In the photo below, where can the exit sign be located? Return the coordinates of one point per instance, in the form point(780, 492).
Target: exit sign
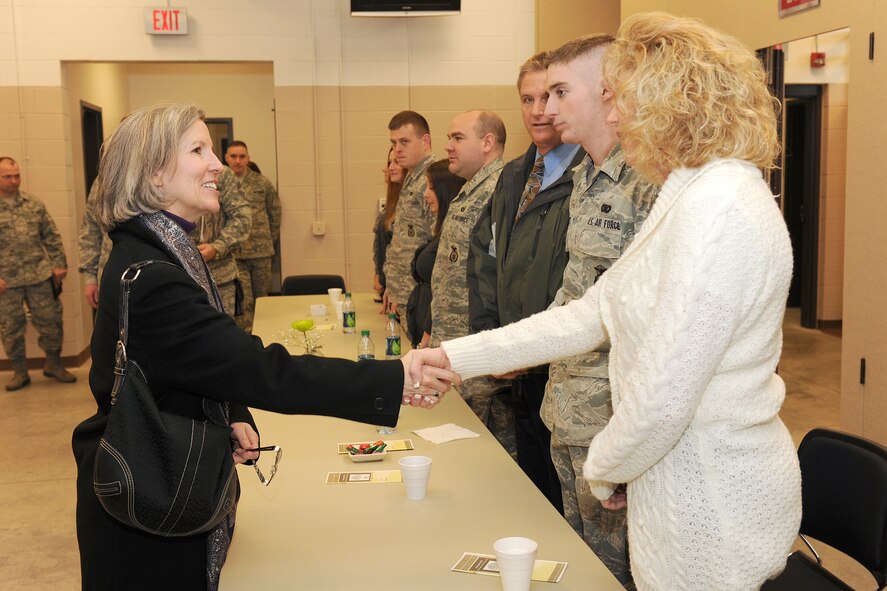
point(166, 21)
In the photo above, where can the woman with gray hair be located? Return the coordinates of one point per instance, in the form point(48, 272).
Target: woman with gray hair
point(157, 176)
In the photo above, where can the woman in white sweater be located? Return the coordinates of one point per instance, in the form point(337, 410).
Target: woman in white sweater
point(693, 311)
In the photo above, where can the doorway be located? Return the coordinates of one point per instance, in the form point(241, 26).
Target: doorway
point(93, 135)
point(803, 124)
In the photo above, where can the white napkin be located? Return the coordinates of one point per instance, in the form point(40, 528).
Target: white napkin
point(444, 433)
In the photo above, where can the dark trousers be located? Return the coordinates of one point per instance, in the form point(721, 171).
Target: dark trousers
point(533, 437)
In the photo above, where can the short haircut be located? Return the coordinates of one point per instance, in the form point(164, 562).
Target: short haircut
point(489, 122)
point(145, 143)
point(419, 123)
point(236, 144)
point(689, 94)
point(579, 47)
point(446, 186)
point(10, 158)
point(537, 63)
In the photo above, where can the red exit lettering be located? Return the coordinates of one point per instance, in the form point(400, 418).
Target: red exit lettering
point(166, 20)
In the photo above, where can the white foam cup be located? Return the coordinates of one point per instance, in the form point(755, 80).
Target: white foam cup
point(335, 294)
point(516, 557)
point(415, 471)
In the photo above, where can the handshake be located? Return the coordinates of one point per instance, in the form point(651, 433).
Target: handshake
point(427, 377)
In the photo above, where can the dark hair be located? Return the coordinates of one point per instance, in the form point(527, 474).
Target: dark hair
point(419, 123)
point(238, 143)
point(446, 186)
point(392, 193)
point(253, 166)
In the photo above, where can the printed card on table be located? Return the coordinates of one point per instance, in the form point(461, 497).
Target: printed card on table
point(545, 571)
point(372, 477)
point(393, 445)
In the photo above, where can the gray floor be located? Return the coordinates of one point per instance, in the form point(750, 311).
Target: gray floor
point(38, 549)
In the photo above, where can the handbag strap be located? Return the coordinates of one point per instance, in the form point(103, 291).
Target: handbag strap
point(126, 280)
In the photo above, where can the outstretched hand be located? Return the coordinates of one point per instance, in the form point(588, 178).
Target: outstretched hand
point(427, 377)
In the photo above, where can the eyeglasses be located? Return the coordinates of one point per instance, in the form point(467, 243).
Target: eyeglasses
point(278, 453)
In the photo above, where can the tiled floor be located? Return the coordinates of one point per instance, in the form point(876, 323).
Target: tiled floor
point(38, 549)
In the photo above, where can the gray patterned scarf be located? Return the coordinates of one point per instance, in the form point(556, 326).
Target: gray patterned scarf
point(183, 249)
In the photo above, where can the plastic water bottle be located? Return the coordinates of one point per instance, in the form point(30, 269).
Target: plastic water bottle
point(392, 338)
point(365, 349)
point(349, 317)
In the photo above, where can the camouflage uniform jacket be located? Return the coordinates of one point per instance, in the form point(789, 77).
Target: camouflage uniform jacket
point(262, 198)
point(30, 242)
point(93, 244)
point(412, 229)
point(607, 207)
point(449, 280)
point(224, 230)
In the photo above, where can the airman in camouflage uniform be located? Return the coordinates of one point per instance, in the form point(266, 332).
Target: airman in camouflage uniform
point(608, 204)
point(253, 255)
point(411, 145)
point(607, 207)
point(486, 396)
point(93, 248)
point(216, 235)
point(32, 268)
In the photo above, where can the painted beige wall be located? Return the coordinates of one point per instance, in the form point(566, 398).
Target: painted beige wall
point(34, 130)
point(558, 21)
point(865, 276)
point(351, 126)
point(243, 91)
point(832, 187)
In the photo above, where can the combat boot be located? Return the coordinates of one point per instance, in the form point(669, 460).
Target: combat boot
point(20, 377)
point(54, 369)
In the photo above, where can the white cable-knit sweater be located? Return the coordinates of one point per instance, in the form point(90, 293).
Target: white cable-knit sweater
point(693, 310)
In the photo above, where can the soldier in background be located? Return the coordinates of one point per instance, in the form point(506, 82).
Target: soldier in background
point(217, 234)
point(609, 203)
point(476, 140)
point(254, 255)
point(517, 259)
point(93, 247)
point(411, 143)
point(32, 268)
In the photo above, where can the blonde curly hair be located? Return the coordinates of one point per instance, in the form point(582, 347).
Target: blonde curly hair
point(688, 94)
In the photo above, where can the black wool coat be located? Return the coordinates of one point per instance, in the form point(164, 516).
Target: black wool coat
point(188, 350)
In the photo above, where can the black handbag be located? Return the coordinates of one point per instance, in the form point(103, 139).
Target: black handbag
point(156, 471)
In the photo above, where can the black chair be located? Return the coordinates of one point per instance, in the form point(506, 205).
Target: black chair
point(310, 284)
point(844, 499)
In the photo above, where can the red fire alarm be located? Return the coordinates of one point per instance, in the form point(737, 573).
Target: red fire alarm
point(817, 59)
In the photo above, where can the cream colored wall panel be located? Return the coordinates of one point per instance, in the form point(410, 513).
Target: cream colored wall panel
point(9, 99)
point(835, 161)
point(42, 99)
point(835, 186)
point(369, 123)
point(375, 98)
point(47, 178)
point(10, 127)
point(558, 21)
point(44, 126)
point(835, 275)
point(49, 151)
point(452, 99)
point(296, 176)
point(836, 116)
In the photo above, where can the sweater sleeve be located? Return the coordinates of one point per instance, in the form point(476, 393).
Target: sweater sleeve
point(541, 338)
point(697, 307)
